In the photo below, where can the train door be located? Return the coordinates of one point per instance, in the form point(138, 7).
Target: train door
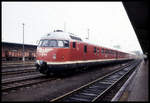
point(78, 51)
point(116, 55)
point(74, 51)
point(85, 52)
point(102, 53)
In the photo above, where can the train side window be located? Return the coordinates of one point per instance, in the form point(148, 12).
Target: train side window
point(74, 44)
point(102, 51)
point(97, 50)
point(109, 51)
point(66, 43)
point(106, 51)
point(94, 49)
point(85, 49)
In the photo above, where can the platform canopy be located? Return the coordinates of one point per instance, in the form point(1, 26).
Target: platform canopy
point(138, 14)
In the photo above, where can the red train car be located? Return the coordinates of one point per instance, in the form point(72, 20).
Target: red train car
point(59, 51)
point(14, 52)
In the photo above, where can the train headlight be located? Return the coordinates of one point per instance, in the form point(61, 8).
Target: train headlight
point(54, 56)
point(40, 62)
point(37, 61)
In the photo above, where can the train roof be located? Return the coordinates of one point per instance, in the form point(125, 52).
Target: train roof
point(61, 35)
point(96, 45)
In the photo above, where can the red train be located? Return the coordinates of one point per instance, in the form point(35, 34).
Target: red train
point(59, 51)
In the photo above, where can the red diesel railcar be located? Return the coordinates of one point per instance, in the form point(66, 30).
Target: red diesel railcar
point(59, 51)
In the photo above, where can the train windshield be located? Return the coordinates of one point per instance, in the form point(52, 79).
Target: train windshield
point(53, 43)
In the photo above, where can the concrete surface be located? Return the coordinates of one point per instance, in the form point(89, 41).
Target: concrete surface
point(138, 89)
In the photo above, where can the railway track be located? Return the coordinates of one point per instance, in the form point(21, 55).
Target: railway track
point(18, 70)
point(17, 65)
point(14, 83)
point(96, 89)
point(16, 62)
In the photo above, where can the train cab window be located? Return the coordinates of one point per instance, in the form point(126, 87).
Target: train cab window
point(53, 43)
point(40, 43)
point(60, 43)
point(74, 44)
point(66, 43)
point(85, 49)
point(48, 43)
point(45, 43)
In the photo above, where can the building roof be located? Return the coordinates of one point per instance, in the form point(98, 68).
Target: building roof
point(10, 43)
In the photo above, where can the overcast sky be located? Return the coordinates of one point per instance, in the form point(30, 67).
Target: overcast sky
point(107, 21)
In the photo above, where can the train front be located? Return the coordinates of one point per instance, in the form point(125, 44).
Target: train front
point(52, 52)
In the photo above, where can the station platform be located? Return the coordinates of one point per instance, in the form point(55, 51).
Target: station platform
point(137, 90)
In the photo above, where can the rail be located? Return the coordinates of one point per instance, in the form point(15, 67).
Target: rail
point(13, 83)
point(96, 89)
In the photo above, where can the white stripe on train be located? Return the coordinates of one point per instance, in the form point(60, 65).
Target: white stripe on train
point(85, 61)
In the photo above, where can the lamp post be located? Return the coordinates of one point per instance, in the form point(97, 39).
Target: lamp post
point(88, 34)
point(64, 26)
point(23, 44)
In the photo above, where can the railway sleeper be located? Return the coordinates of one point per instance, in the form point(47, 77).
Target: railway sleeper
point(112, 79)
point(82, 96)
point(97, 89)
point(88, 94)
point(78, 99)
